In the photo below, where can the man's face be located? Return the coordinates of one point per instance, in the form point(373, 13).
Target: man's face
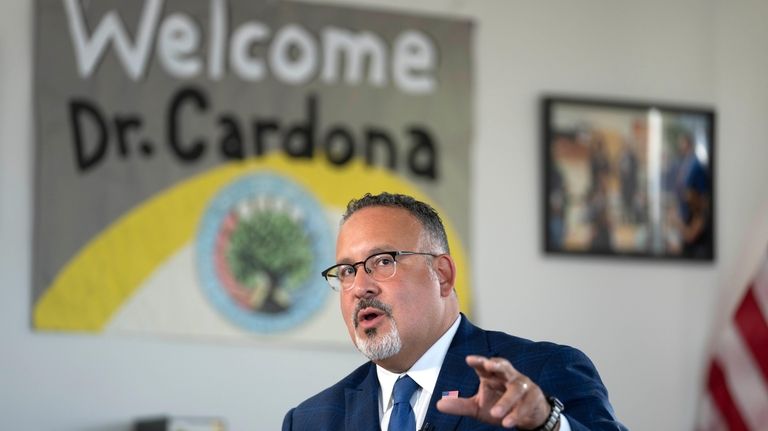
point(409, 306)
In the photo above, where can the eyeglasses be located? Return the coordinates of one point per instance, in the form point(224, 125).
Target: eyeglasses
point(381, 266)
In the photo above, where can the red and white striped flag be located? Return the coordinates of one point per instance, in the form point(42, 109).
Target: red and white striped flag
point(736, 392)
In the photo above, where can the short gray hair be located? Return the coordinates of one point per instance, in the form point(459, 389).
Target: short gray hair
point(427, 215)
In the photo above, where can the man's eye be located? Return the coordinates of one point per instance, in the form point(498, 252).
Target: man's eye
point(346, 271)
point(383, 260)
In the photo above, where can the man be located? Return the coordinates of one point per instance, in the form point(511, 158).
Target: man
point(693, 219)
point(430, 368)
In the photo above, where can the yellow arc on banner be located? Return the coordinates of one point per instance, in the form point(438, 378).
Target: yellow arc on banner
point(106, 272)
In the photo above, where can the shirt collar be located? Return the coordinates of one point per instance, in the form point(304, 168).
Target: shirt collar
point(424, 372)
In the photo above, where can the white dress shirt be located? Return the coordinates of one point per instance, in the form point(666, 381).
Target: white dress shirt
point(424, 372)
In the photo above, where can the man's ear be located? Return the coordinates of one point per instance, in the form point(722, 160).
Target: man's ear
point(445, 268)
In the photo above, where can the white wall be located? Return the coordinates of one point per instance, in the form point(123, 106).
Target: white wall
point(646, 325)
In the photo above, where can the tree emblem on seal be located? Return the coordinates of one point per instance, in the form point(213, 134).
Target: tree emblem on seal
point(270, 255)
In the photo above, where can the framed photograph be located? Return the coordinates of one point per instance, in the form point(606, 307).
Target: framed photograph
point(627, 178)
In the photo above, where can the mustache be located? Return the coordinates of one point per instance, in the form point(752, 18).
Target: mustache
point(372, 303)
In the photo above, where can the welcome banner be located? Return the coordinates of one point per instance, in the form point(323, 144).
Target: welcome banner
point(193, 157)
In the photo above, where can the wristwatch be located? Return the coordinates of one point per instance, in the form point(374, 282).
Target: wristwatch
point(554, 415)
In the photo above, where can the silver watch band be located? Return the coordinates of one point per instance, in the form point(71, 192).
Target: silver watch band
point(554, 415)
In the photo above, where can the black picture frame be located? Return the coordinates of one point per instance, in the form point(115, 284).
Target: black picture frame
point(628, 178)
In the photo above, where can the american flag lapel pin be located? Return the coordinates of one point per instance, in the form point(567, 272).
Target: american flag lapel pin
point(450, 394)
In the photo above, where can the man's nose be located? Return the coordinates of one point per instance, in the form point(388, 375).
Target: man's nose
point(364, 285)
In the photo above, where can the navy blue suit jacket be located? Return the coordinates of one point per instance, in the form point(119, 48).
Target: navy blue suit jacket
point(561, 371)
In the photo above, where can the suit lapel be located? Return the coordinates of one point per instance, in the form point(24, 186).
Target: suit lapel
point(456, 375)
point(362, 404)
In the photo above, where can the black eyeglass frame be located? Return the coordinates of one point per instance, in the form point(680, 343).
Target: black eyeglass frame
point(354, 266)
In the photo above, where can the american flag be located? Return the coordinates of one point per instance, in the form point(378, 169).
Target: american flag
point(736, 388)
point(450, 394)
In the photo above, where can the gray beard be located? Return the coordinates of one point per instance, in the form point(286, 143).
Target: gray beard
point(377, 347)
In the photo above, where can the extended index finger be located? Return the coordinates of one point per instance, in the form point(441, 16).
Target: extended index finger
point(458, 406)
point(489, 367)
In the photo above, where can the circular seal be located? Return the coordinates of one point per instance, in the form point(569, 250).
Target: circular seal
point(262, 243)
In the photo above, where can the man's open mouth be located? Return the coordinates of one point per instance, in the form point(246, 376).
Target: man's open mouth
point(369, 316)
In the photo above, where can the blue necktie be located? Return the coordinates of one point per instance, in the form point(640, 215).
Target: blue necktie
point(402, 418)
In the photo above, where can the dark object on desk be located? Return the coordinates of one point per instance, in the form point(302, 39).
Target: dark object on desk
point(164, 423)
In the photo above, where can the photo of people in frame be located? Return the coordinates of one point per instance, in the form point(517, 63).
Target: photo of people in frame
point(628, 179)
